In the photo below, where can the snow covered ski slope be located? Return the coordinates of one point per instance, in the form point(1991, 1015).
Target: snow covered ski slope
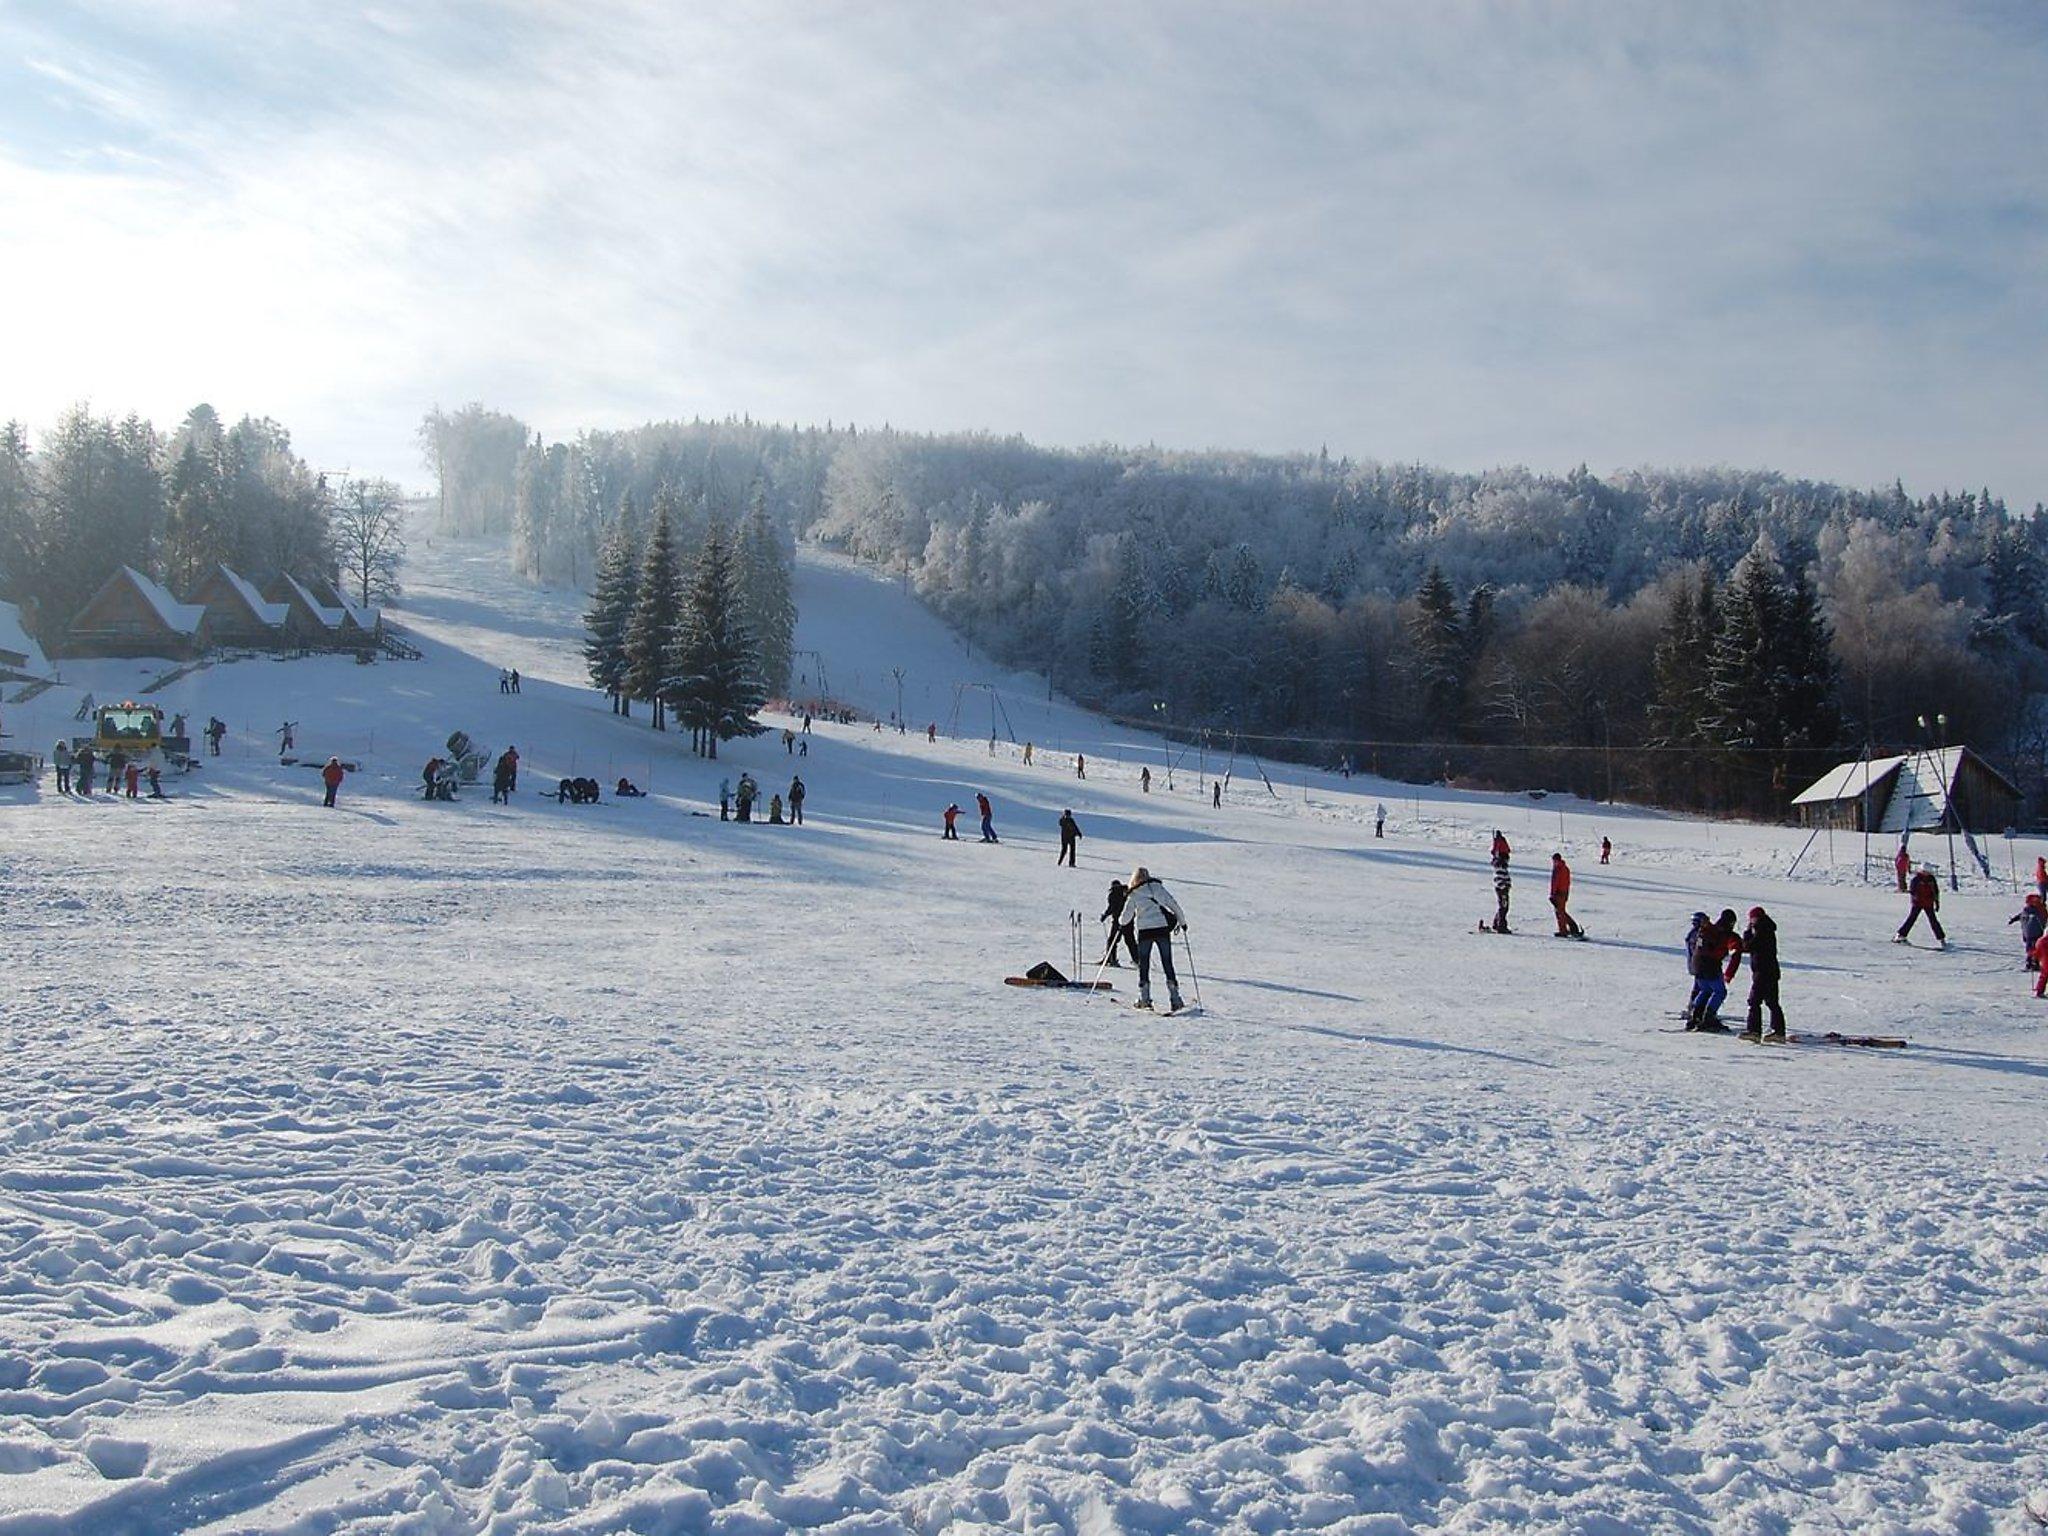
point(419, 1167)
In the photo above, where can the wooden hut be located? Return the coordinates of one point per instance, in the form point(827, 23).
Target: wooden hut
point(1946, 789)
point(238, 614)
point(308, 621)
point(131, 615)
point(21, 659)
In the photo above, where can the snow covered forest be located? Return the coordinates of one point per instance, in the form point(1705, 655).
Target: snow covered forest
point(1705, 638)
point(96, 493)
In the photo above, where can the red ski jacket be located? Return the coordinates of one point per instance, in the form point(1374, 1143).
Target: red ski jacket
point(1560, 880)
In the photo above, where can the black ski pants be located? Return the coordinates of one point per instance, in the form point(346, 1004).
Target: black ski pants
point(1068, 849)
point(63, 781)
point(1763, 993)
point(1933, 922)
point(1130, 940)
point(1160, 940)
point(329, 799)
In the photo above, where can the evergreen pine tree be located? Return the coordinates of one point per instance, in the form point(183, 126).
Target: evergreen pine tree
point(1744, 670)
point(611, 606)
point(657, 601)
point(1439, 640)
point(713, 676)
point(766, 586)
point(1809, 675)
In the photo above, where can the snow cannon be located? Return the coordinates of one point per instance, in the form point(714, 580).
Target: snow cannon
point(468, 757)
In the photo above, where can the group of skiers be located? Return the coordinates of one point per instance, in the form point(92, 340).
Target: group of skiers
point(1714, 952)
point(508, 680)
point(77, 771)
point(1500, 855)
point(737, 804)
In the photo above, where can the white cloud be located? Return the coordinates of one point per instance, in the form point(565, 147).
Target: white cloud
point(1809, 236)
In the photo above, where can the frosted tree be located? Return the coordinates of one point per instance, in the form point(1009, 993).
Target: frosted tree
point(369, 537)
point(766, 587)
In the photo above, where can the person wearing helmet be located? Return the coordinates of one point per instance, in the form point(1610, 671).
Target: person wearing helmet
point(2033, 921)
point(1924, 891)
point(1760, 939)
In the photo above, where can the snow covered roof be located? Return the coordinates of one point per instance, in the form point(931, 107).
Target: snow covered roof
point(273, 614)
point(179, 618)
point(15, 641)
point(1846, 782)
point(330, 618)
point(1927, 781)
point(365, 618)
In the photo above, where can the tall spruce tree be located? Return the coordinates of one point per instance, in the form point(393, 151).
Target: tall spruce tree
point(766, 586)
point(714, 679)
point(1772, 677)
point(657, 603)
point(1440, 654)
point(611, 607)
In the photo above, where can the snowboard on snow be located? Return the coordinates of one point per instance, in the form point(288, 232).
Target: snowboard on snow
point(1835, 1037)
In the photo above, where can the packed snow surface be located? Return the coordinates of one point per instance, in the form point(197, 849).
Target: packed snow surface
point(416, 1167)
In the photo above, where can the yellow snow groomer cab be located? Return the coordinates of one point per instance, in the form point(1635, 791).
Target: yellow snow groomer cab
point(131, 729)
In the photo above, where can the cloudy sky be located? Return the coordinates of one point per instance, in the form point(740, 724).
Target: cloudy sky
point(1810, 235)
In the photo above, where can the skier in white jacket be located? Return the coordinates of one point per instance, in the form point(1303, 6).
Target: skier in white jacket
point(1153, 914)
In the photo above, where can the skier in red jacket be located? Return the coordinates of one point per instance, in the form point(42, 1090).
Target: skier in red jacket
point(1561, 894)
point(331, 776)
point(1925, 891)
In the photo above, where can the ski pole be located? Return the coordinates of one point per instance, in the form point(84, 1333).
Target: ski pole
point(1194, 976)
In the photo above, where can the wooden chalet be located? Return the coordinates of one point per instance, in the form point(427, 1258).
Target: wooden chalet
point(1947, 789)
point(237, 613)
point(132, 615)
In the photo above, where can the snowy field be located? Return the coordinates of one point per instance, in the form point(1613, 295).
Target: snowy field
point(454, 1168)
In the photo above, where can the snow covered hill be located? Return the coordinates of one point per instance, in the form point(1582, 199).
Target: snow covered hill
point(417, 1167)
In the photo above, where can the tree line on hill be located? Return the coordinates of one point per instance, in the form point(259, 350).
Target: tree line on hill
point(96, 493)
point(1703, 638)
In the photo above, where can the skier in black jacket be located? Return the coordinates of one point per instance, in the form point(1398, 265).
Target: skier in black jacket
point(1113, 914)
point(1760, 943)
point(1070, 839)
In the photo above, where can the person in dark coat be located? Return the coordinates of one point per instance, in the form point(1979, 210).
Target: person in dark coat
point(796, 801)
point(1113, 914)
point(1070, 840)
point(1924, 890)
point(84, 763)
point(1760, 942)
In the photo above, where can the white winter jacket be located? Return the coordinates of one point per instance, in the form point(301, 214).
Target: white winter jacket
point(1150, 907)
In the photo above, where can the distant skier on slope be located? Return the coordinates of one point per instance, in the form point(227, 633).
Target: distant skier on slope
point(331, 777)
point(1902, 865)
point(988, 818)
point(1070, 840)
point(1379, 821)
point(1924, 890)
point(1153, 914)
point(952, 815)
point(1606, 850)
point(1760, 940)
point(1560, 898)
point(60, 759)
point(796, 801)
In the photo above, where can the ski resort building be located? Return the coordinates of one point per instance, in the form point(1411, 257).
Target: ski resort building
point(309, 622)
point(360, 625)
point(21, 659)
point(237, 614)
point(132, 616)
point(1949, 789)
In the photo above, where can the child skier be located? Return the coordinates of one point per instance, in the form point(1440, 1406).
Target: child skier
point(1113, 914)
point(2033, 921)
point(952, 814)
point(1503, 884)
